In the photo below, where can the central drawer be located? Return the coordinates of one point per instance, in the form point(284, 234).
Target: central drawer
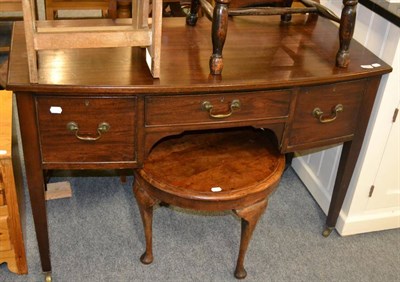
point(86, 130)
point(214, 108)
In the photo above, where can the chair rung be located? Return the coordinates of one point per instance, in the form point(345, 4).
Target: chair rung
point(270, 11)
point(99, 39)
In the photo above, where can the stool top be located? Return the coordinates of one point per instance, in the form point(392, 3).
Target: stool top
point(215, 166)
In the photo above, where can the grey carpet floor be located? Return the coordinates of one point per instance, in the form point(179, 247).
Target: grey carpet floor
point(97, 235)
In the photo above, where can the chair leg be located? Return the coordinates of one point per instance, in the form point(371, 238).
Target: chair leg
point(122, 178)
point(287, 17)
point(191, 18)
point(249, 217)
point(218, 35)
point(145, 203)
point(346, 30)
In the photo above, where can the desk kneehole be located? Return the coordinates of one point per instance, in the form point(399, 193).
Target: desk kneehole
point(233, 169)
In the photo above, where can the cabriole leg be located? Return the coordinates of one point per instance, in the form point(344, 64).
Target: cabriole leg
point(145, 203)
point(249, 217)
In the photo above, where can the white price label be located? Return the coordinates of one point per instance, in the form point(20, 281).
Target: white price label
point(55, 110)
point(216, 189)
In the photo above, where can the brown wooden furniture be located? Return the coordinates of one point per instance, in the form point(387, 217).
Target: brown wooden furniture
point(94, 33)
point(281, 77)
point(12, 250)
point(3, 74)
point(123, 8)
point(212, 171)
point(10, 5)
point(109, 8)
point(53, 6)
point(220, 12)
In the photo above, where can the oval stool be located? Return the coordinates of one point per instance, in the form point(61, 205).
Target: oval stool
point(229, 170)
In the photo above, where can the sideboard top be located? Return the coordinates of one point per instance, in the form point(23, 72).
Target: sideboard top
point(260, 53)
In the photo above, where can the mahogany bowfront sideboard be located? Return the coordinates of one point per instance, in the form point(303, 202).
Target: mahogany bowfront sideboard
point(101, 108)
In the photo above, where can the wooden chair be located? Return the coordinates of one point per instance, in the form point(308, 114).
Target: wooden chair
point(118, 9)
point(223, 8)
point(12, 248)
point(53, 6)
point(211, 171)
point(7, 6)
point(95, 33)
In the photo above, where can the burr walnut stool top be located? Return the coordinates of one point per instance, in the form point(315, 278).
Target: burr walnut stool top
point(220, 170)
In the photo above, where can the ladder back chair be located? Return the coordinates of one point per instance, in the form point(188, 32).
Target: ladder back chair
point(138, 31)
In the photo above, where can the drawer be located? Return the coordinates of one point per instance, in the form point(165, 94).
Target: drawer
point(212, 108)
point(326, 113)
point(80, 130)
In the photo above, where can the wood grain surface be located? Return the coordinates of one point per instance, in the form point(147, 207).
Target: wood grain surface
point(260, 53)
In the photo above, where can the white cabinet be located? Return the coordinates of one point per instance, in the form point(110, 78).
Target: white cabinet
point(383, 191)
point(379, 161)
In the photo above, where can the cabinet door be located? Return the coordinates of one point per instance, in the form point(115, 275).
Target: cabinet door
point(386, 193)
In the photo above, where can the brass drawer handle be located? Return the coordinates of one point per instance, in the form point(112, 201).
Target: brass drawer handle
point(317, 113)
point(101, 128)
point(207, 106)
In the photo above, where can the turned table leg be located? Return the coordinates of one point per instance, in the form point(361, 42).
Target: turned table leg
point(145, 203)
point(249, 217)
point(346, 30)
